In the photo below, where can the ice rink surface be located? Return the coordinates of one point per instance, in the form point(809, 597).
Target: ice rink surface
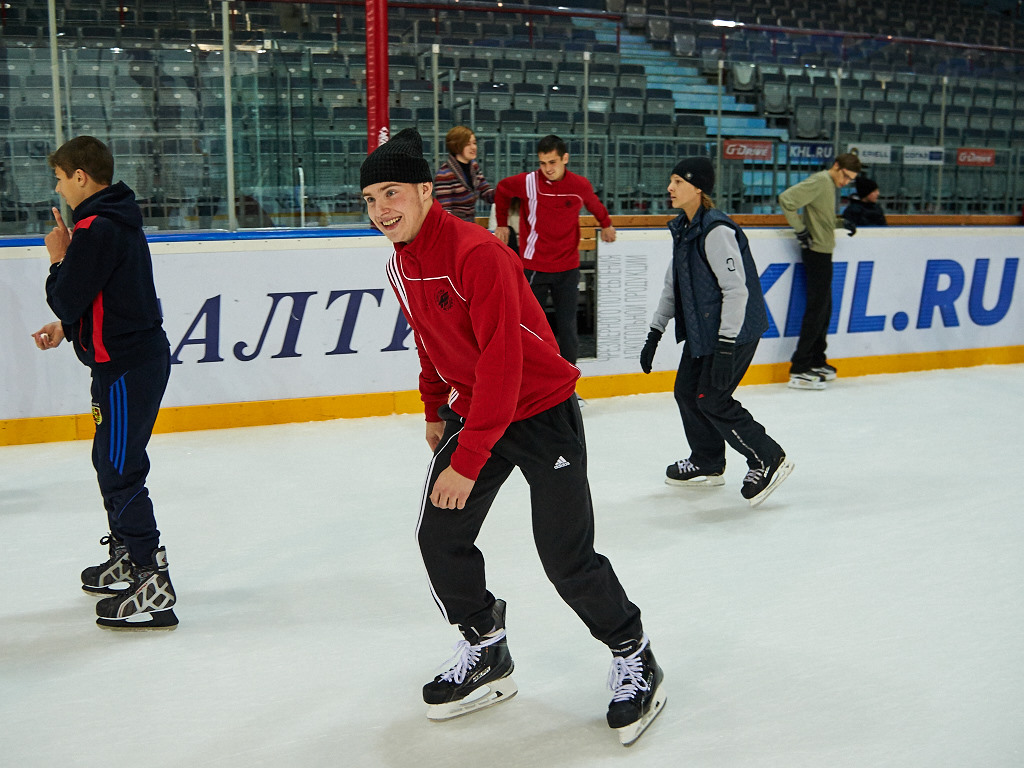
point(869, 613)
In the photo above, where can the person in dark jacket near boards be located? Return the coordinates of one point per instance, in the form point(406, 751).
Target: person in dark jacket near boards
point(713, 293)
point(863, 209)
point(100, 286)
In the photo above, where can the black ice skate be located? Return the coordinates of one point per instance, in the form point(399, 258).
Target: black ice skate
point(479, 676)
point(108, 578)
point(688, 474)
point(761, 481)
point(635, 679)
point(146, 603)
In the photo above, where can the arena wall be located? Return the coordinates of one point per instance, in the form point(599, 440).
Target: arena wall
point(275, 327)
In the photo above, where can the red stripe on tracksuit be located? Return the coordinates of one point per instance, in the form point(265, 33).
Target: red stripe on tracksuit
point(99, 349)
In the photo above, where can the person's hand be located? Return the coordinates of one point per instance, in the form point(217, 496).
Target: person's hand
point(608, 234)
point(502, 234)
point(647, 353)
point(435, 429)
point(850, 227)
point(451, 490)
point(805, 239)
point(58, 240)
point(721, 364)
point(49, 336)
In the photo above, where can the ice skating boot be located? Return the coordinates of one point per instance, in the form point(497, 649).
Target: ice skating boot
point(101, 579)
point(479, 674)
point(685, 473)
point(146, 603)
point(761, 481)
point(638, 697)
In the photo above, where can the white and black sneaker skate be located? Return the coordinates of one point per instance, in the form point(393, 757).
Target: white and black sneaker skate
point(761, 481)
point(825, 372)
point(688, 474)
point(479, 674)
point(806, 380)
point(635, 679)
point(108, 578)
point(146, 603)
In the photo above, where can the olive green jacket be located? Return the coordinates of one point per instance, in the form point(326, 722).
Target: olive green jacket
point(817, 196)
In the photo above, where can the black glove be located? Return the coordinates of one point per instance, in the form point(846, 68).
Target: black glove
point(850, 227)
point(805, 239)
point(647, 353)
point(721, 364)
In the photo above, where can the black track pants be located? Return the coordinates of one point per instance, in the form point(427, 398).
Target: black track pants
point(125, 406)
point(713, 417)
point(810, 347)
point(550, 450)
point(564, 288)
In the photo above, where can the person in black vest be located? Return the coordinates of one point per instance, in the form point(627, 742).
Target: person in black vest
point(713, 292)
point(863, 209)
point(100, 287)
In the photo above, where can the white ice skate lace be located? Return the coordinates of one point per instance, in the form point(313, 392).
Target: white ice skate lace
point(754, 475)
point(626, 676)
point(465, 658)
point(686, 465)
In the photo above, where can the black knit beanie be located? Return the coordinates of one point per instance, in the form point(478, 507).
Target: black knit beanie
point(400, 160)
point(865, 186)
point(698, 171)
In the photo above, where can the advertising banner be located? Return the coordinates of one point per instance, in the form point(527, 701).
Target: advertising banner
point(975, 156)
point(923, 155)
point(257, 320)
point(812, 152)
point(748, 150)
point(872, 154)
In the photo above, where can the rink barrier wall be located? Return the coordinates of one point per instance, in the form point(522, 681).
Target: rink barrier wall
point(253, 414)
point(257, 258)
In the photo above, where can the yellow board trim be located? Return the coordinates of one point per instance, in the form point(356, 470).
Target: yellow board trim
point(188, 418)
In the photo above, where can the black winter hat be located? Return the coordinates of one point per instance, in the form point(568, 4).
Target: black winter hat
point(400, 160)
point(865, 186)
point(698, 171)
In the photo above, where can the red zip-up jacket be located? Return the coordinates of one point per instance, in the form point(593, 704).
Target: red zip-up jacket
point(484, 343)
point(549, 217)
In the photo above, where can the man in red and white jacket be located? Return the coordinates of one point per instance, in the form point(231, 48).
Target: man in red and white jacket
point(497, 396)
point(549, 232)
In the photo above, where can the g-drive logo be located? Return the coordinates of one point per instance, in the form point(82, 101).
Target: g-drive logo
point(942, 287)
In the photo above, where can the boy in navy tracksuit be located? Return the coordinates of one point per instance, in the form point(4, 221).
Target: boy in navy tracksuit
point(101, 288)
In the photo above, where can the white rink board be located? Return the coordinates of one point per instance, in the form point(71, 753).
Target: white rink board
point(337, 328)
point(919, 280)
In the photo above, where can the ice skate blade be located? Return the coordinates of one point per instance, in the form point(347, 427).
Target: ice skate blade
point(628, 734)
point(780, 474)
point(141, 621)
point(706, 481)
point(488, 695)
point(105, 591)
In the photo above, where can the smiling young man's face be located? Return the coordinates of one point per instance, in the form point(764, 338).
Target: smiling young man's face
point(397, 209)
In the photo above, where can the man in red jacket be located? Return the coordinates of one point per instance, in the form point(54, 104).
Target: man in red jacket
point(549, 232)
point(497, 396)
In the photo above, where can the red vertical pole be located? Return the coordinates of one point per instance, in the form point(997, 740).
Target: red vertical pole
point(377, 124)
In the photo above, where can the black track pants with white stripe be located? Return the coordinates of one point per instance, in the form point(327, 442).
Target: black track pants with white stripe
point(550, 450)
point(125, 406)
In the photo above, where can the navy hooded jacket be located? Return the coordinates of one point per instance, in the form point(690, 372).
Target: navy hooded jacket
point(103, 291)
